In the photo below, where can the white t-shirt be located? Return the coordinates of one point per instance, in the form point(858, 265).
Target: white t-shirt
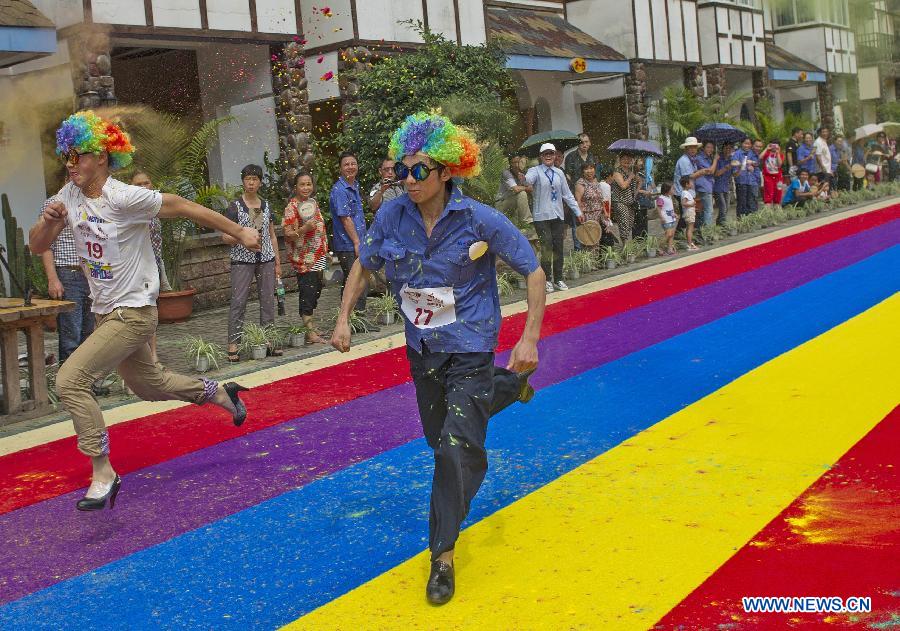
point(666, 208)
point(606, 190)
point(820, 147)
point(687, 198)
point(112, 237)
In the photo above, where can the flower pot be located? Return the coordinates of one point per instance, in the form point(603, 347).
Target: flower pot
point(297, 340)
point(573, 274)
point(732, 232)
point(522, 283)
point(387, 319)
point(176, 306)
point(630, 259)
point(258, 352)
point(202, 364)
point(651, 254)
point(610, 265)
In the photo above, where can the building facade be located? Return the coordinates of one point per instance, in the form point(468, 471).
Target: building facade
point(876, 24)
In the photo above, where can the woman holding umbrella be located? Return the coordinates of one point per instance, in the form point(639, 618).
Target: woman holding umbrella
point(627, 183)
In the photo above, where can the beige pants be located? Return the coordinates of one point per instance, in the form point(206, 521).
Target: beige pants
point(516, 207)
point(121, 342)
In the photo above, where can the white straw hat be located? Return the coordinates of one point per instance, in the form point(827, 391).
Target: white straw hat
point(691, 142)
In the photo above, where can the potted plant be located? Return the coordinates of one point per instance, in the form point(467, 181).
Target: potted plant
point(718, 232)
point(385, 309)
point(630, 250)
point(610, 256)
point(504, 284)
point(651, 246)
point(256, 340)
point(276, 337)
point(521, 282)
point(571, 268)
point(731, 227)
point(202, 354)
point(297, 335)
point(357, 323)
point(707, 234)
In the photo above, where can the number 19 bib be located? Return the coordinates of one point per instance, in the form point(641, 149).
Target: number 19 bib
point(428, 307)
point(98, 247)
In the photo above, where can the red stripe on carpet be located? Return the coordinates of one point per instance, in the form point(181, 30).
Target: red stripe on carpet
point(841, 537)
point(38, 473)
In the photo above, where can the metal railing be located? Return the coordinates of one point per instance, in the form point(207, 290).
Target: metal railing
point(877, 47)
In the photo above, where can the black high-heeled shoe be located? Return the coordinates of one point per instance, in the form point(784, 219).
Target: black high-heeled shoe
point(240, 411)
point(98, 503)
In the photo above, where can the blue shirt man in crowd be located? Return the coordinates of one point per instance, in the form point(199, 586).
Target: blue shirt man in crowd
point(439, 250)
point(746, 184)
point(722, 184)
point(349, 220)
point(706, 162)
point(806, 156)
point(686, 165)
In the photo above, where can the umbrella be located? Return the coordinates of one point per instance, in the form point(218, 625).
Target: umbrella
point(889, 127)
point(562, 139)
point(636, 147)
point(867, 130)
point(719, 133)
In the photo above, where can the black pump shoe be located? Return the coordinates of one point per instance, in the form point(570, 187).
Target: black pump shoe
point(441, 584)
point(99, 503)
point(240, 412)
point(526, 392)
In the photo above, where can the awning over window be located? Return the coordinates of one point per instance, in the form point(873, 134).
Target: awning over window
point(540, 40)
point(25, 33)
point(785, 66)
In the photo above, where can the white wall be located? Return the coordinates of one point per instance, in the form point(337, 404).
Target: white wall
point(228, 15)
point(380, 19)
point(118, 12)
point(61, 12)
point(808, 44)
point(177, 13)
point(617, 33)
point(442, 18)
point(247, 95)
point(471, 22)
point(23, 98)
point(709, 39)
point(561, 97)
point(320, 89)
point(320, 30)
point(276, 16)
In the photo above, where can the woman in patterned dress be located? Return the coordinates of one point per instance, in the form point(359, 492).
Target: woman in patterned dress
point(625, 185)
point(592, 196)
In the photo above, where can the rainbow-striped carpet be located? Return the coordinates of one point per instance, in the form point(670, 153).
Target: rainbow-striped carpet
point(716, 427)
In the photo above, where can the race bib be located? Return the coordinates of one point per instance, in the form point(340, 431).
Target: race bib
point(98, 246)
point(429, 307)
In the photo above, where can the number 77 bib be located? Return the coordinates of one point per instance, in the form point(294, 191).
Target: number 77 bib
point(428, 307)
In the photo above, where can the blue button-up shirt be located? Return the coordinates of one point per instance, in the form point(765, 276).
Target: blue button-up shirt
point(722, 182)
point(397, 241)
point(346, 202)
point(704, 183)
point(743, 175)
point(835, 158)
point(806, 158)
point(549, 190)
point(685, 166)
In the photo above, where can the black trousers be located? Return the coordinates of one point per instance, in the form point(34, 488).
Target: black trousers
point(309, 286)
point(552, 233)
point(457, 393)
point(346, 259)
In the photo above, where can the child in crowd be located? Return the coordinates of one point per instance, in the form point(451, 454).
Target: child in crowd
point(250, 210)
point(799, 190)
point(821, 190)
point(307, 246)
point(688, 209)
point(667, 216)
point(773, 183)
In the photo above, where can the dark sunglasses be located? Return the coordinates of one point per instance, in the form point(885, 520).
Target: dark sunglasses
point(72, 156)
point(420, 171)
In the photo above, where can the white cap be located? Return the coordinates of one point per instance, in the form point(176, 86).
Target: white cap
point(547, 146)
point(691, 142)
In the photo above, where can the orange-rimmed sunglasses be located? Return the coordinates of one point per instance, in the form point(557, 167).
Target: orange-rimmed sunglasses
point(72, 156)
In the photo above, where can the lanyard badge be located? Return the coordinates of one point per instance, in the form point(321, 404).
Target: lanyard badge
point(551, 177)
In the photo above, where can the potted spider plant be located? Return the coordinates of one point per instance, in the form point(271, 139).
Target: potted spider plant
point(504, 284)
point(358, 324)
point(610, 256)
point(731, 227)
point(296, 334)
point(651, 246)
point(202, 354)
point(385, 308)
point(256, 340)
point(630, 250)
point(521, 282)
point(571, 269)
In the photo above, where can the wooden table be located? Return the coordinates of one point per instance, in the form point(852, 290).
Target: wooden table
point(15, 317)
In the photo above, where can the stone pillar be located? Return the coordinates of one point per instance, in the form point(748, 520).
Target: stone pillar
point(693, 80)
point(91, 67)
point(760, 86)
point(716, 86)
point(826, 102)
point(292, 117)
point(351, 62)
point(637, 107)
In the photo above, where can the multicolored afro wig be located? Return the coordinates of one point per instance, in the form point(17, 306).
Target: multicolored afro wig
point(442, 141)
point(85, 132)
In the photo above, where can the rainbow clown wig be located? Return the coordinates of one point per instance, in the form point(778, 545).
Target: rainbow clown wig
point(439, 139)
point(85, 132)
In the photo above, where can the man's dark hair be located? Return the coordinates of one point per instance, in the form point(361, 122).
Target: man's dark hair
point(774, 141)
point(251, 170)
point(795, 130)
point(802, 171)
point(685, 180)
point(819, 131)
point(346, 154)
point(583, 135)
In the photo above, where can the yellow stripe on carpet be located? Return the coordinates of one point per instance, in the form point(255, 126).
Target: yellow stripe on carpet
point(617, 542)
